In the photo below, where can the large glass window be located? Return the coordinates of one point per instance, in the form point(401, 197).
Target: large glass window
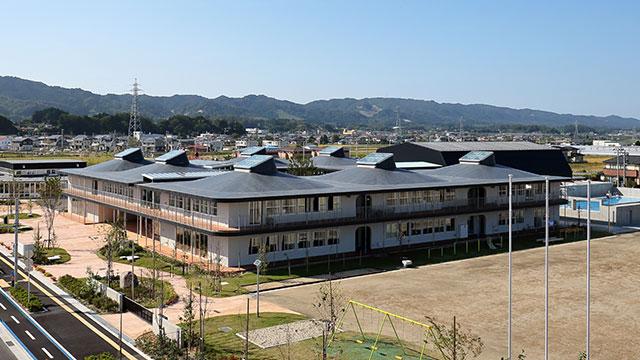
point(272, 207)
point(303, 240)
point(255, 212)
point(416, 197)
point(392, 199)
point(254, 245)
point(450, 194)
point(450, 224)
point(335, 201)
point(502, 190)
point(403, 198)
point(318, 238)
point(302, 206)
point(289, 206)
point(404, 229)
point(272, 243)
point(428, 226)
point(538, 218)
point(391, 231)
point(288, 241)
point(416, 228)
point(439, 225)
point(518, 216)
point(333, 237)
point(322, 203)
point(503, 218)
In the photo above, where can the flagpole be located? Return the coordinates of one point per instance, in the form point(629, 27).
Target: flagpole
point(588, 265)
point(546, 269)
point(510, 249)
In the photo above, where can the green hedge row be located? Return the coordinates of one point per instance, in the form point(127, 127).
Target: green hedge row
point(20, 294)
point(80, 289)
point(103, 356)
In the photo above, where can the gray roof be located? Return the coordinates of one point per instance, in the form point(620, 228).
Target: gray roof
point(134, 175)
point(333, 163)
point(471, 172)
point(484, 146)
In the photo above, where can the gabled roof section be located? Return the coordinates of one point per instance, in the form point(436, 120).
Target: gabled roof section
point(335, 151)
point(478, 158)
point(259, 164)
point(254, 150)
point(174, 157)
point(132, 154)
point(378, 160)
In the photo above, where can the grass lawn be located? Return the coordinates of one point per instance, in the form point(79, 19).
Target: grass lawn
point(227, 343)
point(593, 164)
point(64, 255)
point(22, 216)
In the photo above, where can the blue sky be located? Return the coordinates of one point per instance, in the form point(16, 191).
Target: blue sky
point(577, 57)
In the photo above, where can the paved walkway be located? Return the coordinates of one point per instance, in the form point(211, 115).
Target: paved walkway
point(79, 241)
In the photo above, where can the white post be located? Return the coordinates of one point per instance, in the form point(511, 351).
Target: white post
point(546, 269)
point(257, 263)
point(588, 264)
point(510, 249)
point(15, 243)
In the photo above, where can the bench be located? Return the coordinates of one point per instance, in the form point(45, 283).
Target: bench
point(54, 258)
point(407, 263)
point(551, 239)
point(130, 258)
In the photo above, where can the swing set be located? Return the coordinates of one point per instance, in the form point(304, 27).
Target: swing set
point(387, 317)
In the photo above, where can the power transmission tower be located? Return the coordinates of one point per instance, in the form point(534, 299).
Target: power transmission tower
point(576, 135)
point(398, 124)
point(134, 121)
point(461, 128)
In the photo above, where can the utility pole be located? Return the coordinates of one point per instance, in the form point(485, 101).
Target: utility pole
point(546, 270)
point(246, 335)
point(588, 266)
point(14, 278)
point(510, 249)
point(454, 337)
point(617, 166)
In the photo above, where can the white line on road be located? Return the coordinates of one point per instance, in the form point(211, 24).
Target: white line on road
point(14, 319)
point(48, 354)
point(2, 306)
point(28, 333)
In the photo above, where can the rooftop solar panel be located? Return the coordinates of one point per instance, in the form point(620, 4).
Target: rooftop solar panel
point(375, 158)
point(330, 150)
point(476, 156)
point(254, 150)
point(253, 161)
point(126, 153)
point(170, 155)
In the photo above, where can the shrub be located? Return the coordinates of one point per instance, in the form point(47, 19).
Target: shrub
point(104, 303)
point(103, 356)
point(32, 303)
point(47, 274)
point(79, 289)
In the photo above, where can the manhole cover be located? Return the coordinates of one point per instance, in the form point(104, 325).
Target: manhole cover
point(226, 328)
point(10, 343)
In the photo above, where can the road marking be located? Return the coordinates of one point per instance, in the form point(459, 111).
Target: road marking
point(48, 354)
point(4, 284)
point(2, 306)
point(14, 319)
point(73, 313)
point(28, 333)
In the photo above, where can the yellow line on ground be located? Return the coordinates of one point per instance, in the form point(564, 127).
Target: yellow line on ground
point(4, 284)
point(70, 311)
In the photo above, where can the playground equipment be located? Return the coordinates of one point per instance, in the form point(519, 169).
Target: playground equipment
point(387, 317)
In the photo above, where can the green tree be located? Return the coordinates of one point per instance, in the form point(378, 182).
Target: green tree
point(453, 342)
point(335, 138)
point(302, 166)
point(113, 239)
point(324, 139)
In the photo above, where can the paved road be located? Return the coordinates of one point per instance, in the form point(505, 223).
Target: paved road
point(75, 332)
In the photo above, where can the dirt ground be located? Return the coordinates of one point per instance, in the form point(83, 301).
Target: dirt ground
point(475, 291)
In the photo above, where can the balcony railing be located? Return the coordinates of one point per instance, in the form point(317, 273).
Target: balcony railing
point(177, 215)
point(283, 222)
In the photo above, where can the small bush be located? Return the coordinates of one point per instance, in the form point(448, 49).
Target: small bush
point(79, 289)
point(32, 303)
point(103, 356)
point(47, 274)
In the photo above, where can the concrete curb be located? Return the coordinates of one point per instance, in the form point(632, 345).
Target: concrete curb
point(18, 349)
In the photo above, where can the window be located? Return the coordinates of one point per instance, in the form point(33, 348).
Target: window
point(301, 206)
point(538, 217)
point(539, 188)
point(196, 205)
point(255, 212)
point(333, 238)
point(289, 206)
point(213, 208)
point(428, 226)
point(322, 203)
point(416, 228)
point(416, 197)
point(179, 201)
point(254, 245)
point(450, 224)
point(439, 225)
point(431, 196)
point(392, 199)
point(503, 218)
point(272, 207)
point(303, 240)
point(403, 198)
point(336, 203)
point(272, 243)
point(518, 216)
point(404, 229)
point(318, 238)
point(517, 189)
point(391, 231)
point(450, 194)
point(288, 241)
point(502, 190)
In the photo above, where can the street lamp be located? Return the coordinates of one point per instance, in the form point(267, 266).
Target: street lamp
point(257, 263)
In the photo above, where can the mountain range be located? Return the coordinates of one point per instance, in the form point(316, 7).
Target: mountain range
point(19, 98)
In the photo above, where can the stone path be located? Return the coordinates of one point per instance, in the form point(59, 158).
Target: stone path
point(284, 334)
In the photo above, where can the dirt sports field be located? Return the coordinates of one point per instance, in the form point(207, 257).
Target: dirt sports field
point(475, 291)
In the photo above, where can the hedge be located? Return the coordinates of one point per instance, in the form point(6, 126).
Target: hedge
point(20, 294)
point(79, 289)
point(103, 356)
